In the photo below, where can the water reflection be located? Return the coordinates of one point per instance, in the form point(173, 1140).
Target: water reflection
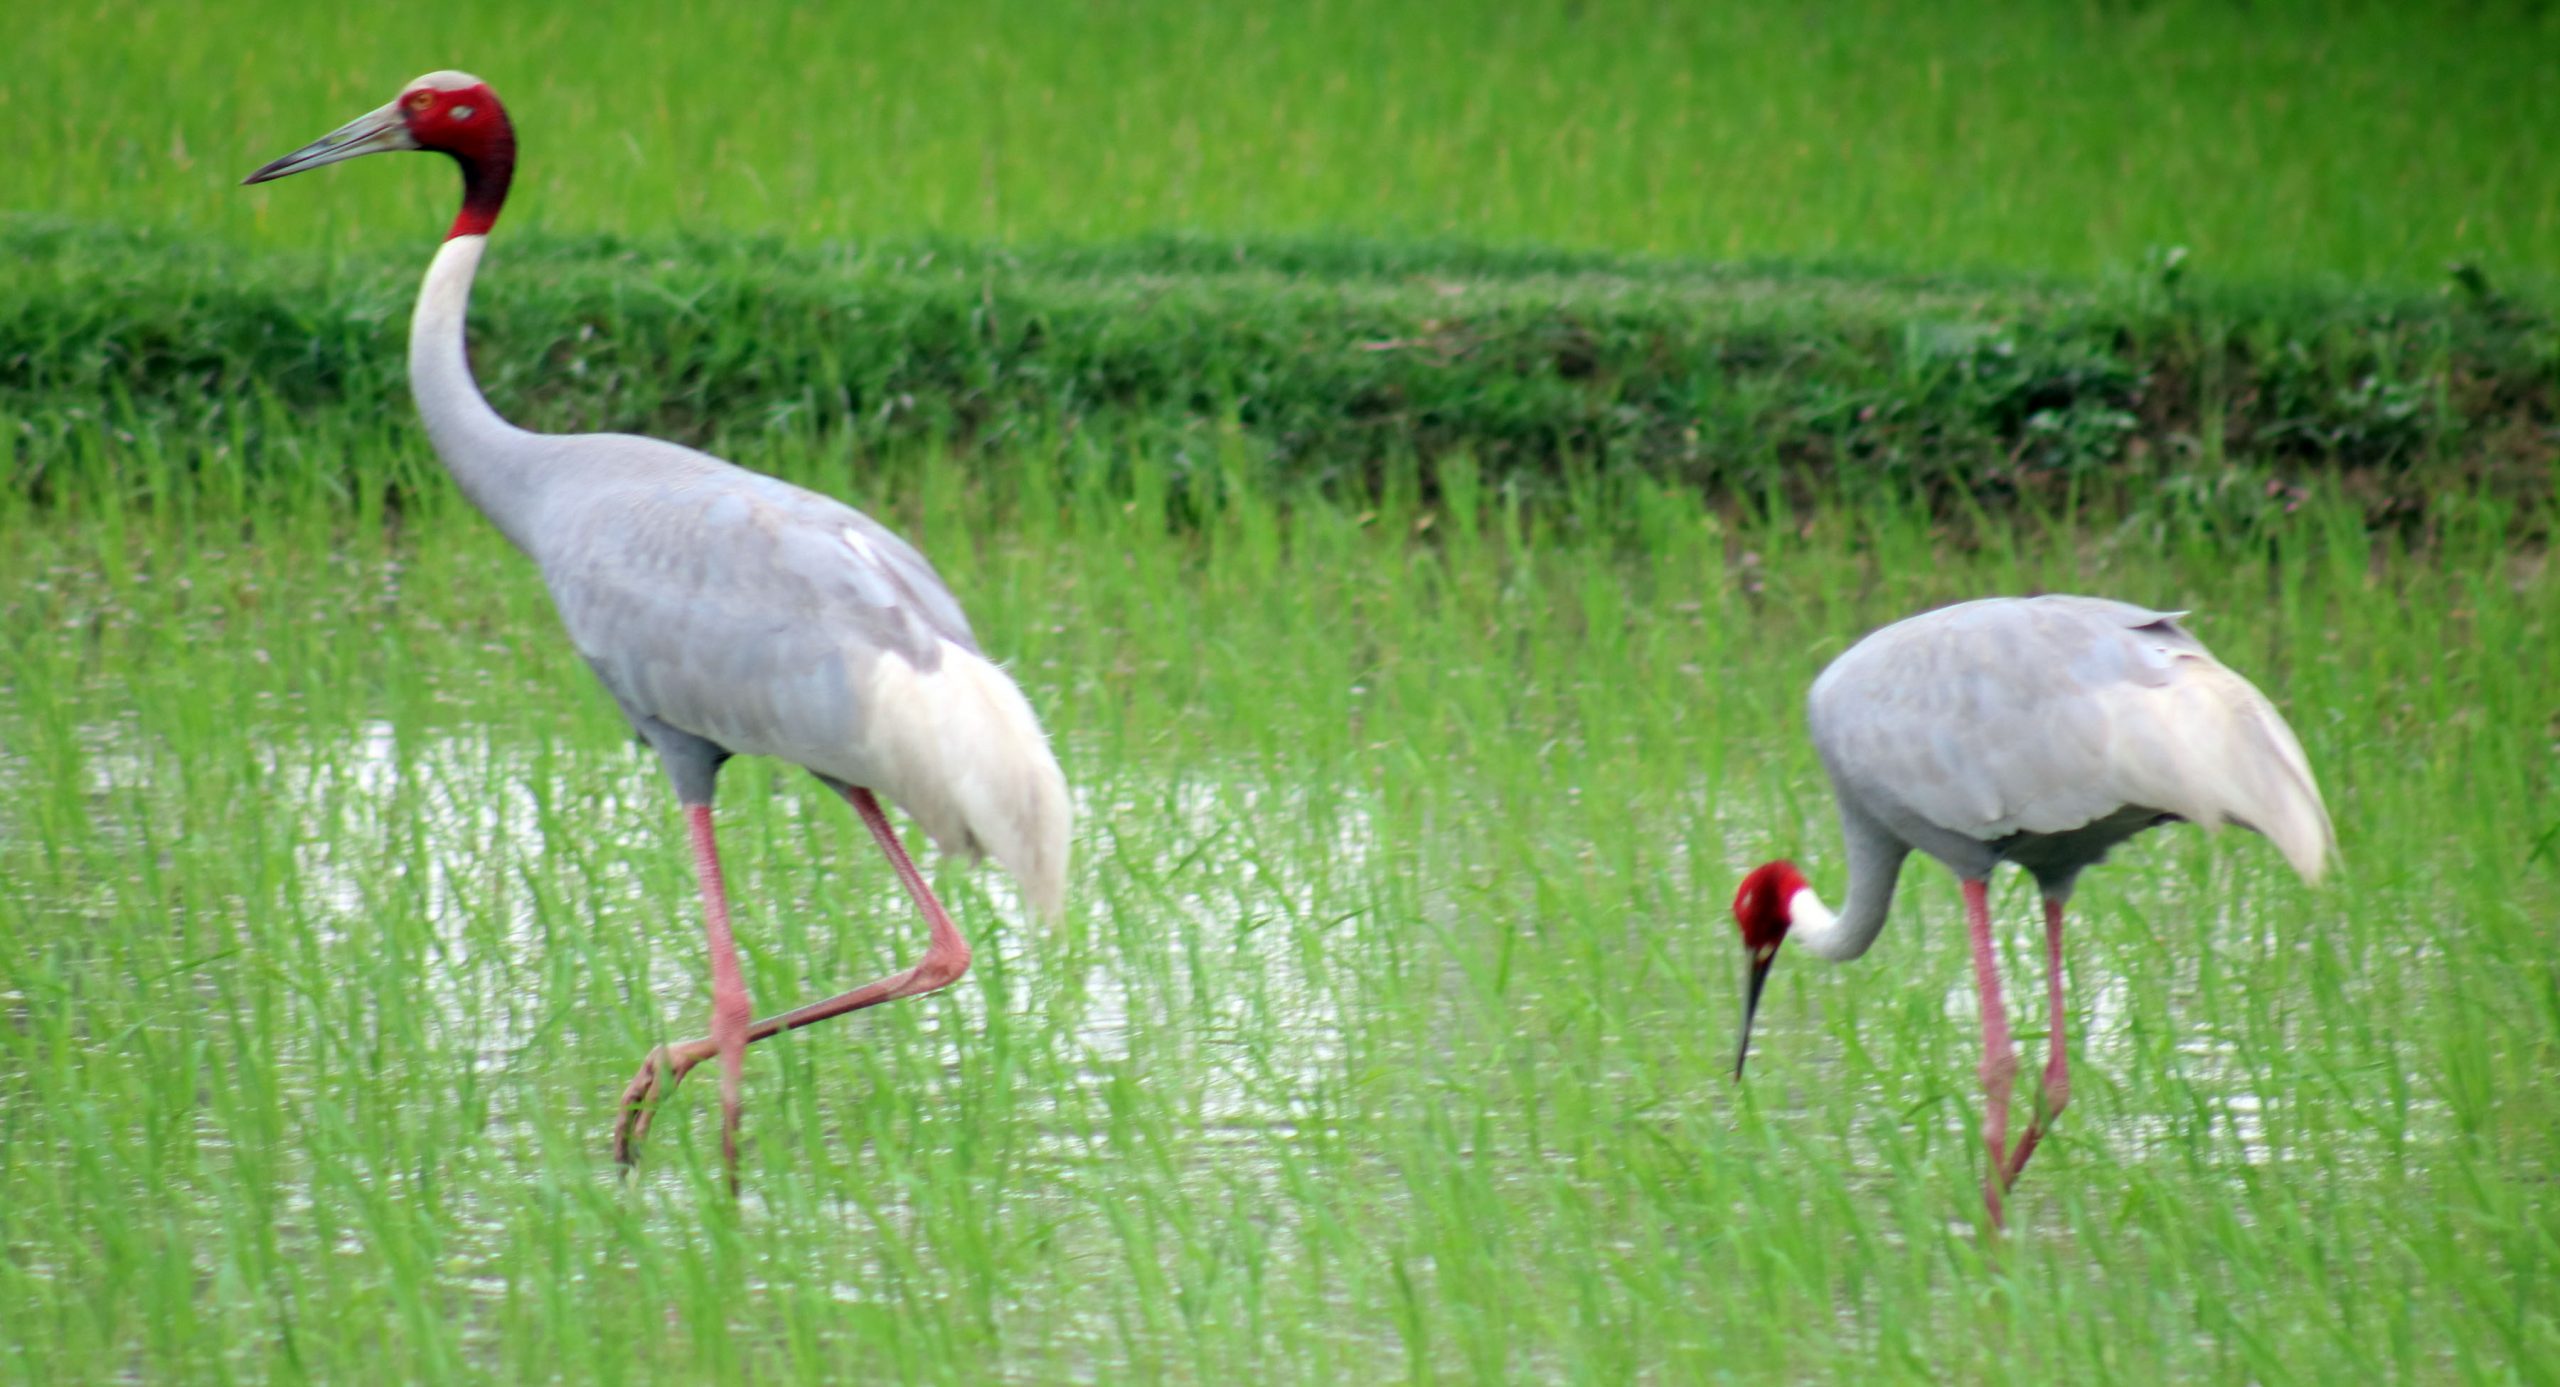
point(1207, 1013)
point(498, 845)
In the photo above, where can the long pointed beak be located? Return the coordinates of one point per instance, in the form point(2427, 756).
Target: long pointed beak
point(371, 133)
point(1751, 1008)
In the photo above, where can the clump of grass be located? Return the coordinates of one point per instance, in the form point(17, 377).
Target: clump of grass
point(131, 363)
point(1386, 1037)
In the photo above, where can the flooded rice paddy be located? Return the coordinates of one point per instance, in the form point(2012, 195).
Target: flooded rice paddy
point(1388, 1034)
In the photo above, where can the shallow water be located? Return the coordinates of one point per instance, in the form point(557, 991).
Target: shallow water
point(1385, 1027)
point(1253, 1036)
point(437, 826)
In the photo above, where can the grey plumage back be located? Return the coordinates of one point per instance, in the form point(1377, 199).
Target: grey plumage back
point(769, 620)
point(1963, 727)
point(728, 612)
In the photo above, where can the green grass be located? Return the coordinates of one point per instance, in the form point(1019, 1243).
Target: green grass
point(141, 365)
point(2371, 143)
point(1387, 1036)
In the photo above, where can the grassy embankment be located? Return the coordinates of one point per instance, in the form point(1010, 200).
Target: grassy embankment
point(140, 369)
point(1950, 241)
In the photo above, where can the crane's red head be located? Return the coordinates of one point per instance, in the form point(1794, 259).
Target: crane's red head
point(449, 112)
point(1763, 908)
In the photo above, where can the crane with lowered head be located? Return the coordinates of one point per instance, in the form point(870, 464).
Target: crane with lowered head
point(2042, 731)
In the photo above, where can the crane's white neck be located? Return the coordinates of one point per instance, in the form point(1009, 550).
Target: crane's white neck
point(1875, 864)
point(1813, 927)
point(491, 458)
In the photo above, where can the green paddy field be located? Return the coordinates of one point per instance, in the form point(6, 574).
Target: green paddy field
point(1414, 464)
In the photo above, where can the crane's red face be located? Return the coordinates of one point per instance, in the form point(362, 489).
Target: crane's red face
point(1760, 907)
point(449, 112)
point(1763, 908)
point(456, 113)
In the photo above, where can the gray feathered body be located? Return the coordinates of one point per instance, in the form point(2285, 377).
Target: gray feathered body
point(728, 612)
point(2044, 731)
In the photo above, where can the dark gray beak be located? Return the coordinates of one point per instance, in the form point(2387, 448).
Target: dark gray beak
point(374, 132)
point(1751, 1007)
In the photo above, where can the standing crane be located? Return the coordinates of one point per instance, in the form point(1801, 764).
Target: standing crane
point(728, 613)
point(2041, 731)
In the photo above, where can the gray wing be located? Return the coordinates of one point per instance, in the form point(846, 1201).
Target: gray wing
point(732, 605)
point(2043, 715)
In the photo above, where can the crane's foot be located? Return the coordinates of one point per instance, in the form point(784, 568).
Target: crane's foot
point(659, 1074)
point(2018, 1158)
point(2051, 1099)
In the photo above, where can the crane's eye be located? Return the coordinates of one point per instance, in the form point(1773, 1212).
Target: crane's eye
point(420, 101)
point(460, 113)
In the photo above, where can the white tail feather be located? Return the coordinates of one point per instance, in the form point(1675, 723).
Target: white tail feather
point(2210, 748)
point(959, 749)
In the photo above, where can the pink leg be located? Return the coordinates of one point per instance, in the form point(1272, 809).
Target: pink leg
point(730, 1012)
point(946, 954)
point(1999, 1057)
point(2057, 1066)
point(946, 957)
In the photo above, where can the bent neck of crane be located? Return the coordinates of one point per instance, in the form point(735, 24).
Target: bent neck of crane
point(1811, 924)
